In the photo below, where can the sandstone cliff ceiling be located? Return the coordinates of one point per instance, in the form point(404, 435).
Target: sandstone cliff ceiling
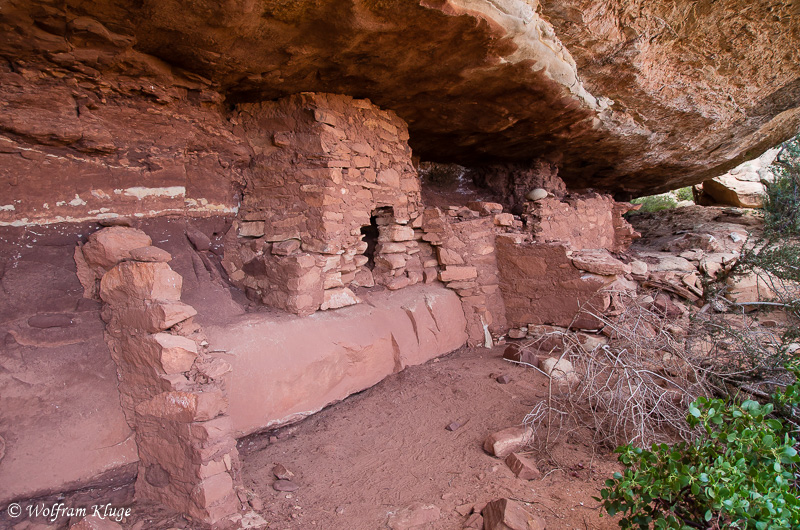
point(625, 95)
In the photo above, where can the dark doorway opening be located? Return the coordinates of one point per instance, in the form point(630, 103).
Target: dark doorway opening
point(370, 236)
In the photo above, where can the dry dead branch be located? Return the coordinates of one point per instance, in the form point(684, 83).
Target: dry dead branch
point(633, 390)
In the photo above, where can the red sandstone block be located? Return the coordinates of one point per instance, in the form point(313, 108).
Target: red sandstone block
point(523, 467)
point(133, 281)
point(429, 274)
point(390, 261)
point(177, 353)
point(336, 298)
point(448, 257)
point(506, 514)
point(485, 208)
point(507, 441)
point(454, 273)
point(164, 315)
point(398, 283)
point(390, 247)
point(212, 490)
point(109, 246)
point(361, 161)
point(286, 248)
point(251, 229)
point(504, 219)
point(184, 406)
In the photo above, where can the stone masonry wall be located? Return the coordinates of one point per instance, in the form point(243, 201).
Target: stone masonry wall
point(464, 239)
point(511, 182)
point(583, 221)
point(540, 284)
point(171, 391)
point(325, 167)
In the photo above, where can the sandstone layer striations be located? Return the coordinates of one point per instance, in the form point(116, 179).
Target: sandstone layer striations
point(624, 95)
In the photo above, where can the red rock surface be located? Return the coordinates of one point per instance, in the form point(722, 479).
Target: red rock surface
point(129, 96)
point(285, 367)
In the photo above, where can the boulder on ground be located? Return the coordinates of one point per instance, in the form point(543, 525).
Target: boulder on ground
point(730, 191)
point(523, 467)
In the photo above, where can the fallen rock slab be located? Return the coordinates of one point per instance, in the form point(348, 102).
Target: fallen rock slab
point(506, 514)
point(664, 261)
point(503, 443)
point(198, 239)
point(599, 262)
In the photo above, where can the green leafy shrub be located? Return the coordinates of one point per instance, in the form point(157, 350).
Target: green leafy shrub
point(740, 472)
point(684, 194)
point(782, 201)
point(656, 203)
point(775, 260)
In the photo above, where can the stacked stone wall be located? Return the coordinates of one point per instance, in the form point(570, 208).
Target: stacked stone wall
point(172, 392)
point(464, 240)
point(583, 221)
point(325, 168)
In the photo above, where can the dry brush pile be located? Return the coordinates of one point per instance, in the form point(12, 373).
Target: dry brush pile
point(632, 383)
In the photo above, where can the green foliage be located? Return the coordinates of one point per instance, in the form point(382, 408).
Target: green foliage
point(740, 472)
point(776, 260)
point(780, 259)
point(663, 201)
point(684, 194)
point(782, 201)
point(656, 203)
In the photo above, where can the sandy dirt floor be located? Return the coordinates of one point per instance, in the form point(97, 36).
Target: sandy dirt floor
point(359, 462)
point(362, 461)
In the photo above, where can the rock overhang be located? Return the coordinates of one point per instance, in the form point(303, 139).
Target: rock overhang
point(626, 98)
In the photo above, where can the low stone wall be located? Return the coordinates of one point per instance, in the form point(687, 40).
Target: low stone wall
point(540, 284)
point(464, 239)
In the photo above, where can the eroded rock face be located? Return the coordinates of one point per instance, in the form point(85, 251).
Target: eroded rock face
point(622, 95)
